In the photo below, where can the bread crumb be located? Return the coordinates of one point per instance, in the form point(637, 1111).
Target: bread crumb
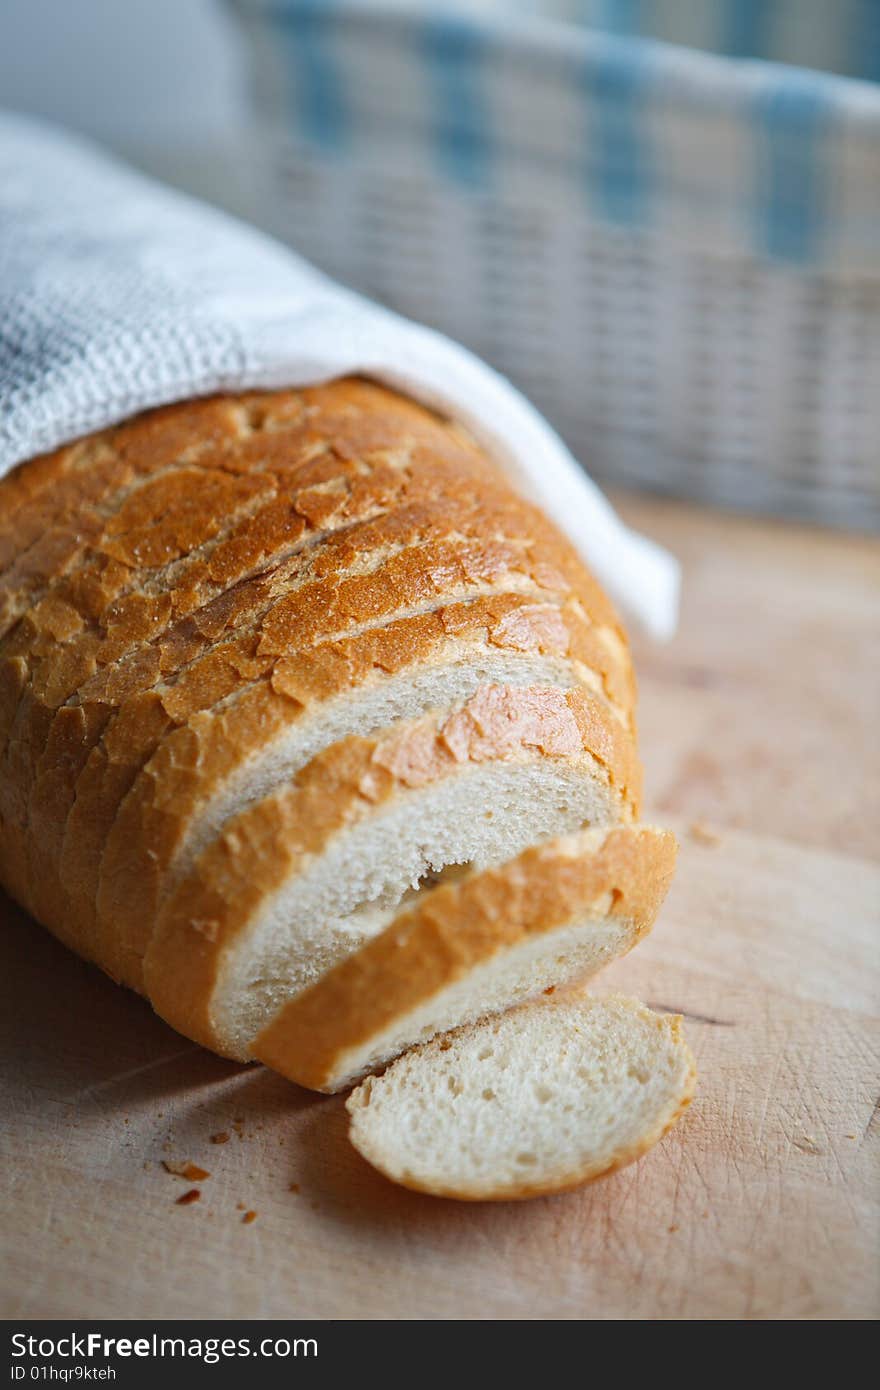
point(294, 1187)
point(248, 1217)
point(186, 1198)
point(671, 1229)
point(222, 1137)
point(850, 1136)
point(191, 1171)
point(807, 1144)
point(703, 835)
point(239, 1206)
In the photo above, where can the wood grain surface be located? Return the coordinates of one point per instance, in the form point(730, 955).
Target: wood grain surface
point(758, 728)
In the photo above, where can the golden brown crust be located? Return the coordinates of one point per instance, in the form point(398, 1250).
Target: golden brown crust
point(289, 444)
point(176, 513)
point(268, 844)
point(623, 873)
point(55, 508)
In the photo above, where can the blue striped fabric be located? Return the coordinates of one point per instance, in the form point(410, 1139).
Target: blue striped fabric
point(744, 26)
point(838, 35)
point(318, 95)
point(794, 131)
point(618, 163)
point(754, 158)
point(454, 53)
point(865, 41)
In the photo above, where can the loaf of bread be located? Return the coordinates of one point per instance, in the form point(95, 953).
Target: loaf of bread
point(312, 730)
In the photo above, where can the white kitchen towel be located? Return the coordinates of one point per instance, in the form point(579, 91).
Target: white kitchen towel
point(117, 294)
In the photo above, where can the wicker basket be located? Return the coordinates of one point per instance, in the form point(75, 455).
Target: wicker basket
point(676, 256)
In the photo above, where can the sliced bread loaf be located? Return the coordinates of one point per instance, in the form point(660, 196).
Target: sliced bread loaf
point(306, 875)
point(228, 757)
point(471, 947)
point(269, 665)
point(538, 1100)
point(194, 603)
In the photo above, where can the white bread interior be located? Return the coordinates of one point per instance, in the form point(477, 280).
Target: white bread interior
point(536, 1100)
point(572, 952)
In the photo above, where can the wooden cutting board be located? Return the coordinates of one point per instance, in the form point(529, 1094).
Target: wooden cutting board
point(760, 747)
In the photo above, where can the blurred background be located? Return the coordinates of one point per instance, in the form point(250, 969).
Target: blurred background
point(661, 218)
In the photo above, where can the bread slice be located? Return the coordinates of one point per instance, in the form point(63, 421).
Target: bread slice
point(538, 1100)
point(474, 946)
point(306, 875)
point(206, 774)
point(150, 800)
point(181, 787)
